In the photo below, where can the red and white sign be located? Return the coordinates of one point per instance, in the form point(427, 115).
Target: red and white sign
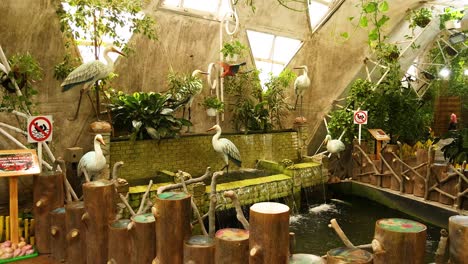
point(360, 117)
point(40, 129)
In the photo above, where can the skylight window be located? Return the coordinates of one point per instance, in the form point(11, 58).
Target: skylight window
point(215, 9)
point(318, 10)
point(271, 53)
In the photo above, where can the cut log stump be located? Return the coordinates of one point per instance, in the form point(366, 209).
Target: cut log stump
point(269, 233)
point(76, 233)
point(345, 255)
point(172, 212)
point(399, 240)
point(143, 234)
point(458, 237)
point(232, 246)
point(47, 195)
point(58, 244)
point(119, 242)
point(100, 211)
point(306, 259)
point(199, 250)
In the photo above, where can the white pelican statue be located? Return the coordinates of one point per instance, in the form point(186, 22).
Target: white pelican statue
point(334, 146)
point(226, 148)
point(301, 84)
point(87, 74)
point(93, 162)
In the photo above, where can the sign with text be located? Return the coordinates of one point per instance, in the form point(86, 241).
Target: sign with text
point(39, 129)
point(19, 162)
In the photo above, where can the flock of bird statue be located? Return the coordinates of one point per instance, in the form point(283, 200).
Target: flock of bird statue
point(89, 73)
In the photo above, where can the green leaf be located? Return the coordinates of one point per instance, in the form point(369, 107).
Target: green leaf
point(382, 21)
point(350, 18)
point(370, 7)
point(373, 35)
point(383, 6)
point(363, 22)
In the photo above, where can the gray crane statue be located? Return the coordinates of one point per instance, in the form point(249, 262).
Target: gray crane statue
point(87, 74)
point(226, 148)
point(301, 84)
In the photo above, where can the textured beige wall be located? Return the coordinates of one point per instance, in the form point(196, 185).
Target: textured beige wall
point(144, 159)
point(185, 43)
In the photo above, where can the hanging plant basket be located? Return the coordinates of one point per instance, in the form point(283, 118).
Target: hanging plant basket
point(211, 112)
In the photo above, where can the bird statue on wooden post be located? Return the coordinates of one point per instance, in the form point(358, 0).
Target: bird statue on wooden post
point(87, 74)
point(334, 146)
point(230, 69)
point(93, 162)
point(226, 148)
point(301, 84)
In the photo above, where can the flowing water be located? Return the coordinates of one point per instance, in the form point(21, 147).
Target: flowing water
point(356, 216)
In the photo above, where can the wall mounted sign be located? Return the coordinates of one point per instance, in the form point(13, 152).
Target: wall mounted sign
point(39, 129)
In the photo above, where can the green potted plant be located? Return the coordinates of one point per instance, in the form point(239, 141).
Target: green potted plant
point(232, 50)
point(420, 18)
point(451, 18)
point(213, 105)
point(388, 52)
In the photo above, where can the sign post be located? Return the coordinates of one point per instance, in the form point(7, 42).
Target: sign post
point(40, 130)
point(15, 163)
point(380, 136)
point(360, 118)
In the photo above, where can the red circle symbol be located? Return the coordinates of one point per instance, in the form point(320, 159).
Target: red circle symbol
point(40, 129)
point(360, 117)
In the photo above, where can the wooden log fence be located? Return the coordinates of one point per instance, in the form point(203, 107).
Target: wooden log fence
point(430, 182)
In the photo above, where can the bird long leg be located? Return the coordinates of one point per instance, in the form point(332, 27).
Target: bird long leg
point(77, 109)
point(92, 104)
point(295, 104)
point(183, 112)
point(189, 113)
point(86, 175)
point(301, 106)
point(225, 167)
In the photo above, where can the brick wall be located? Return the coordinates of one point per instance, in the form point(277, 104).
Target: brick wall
point(193, 154)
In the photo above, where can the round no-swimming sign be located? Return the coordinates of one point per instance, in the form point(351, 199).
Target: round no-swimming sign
point(360, 117)
point(40, 129)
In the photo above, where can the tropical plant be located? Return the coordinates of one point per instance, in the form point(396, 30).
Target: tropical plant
point(275, 97)
point(182, 86)
point(232, 48)
point(146, 115)
point(213, 102)
point(450, 14)
point(457, 150)
point(25, 70)
point(420, 18)
point(387, 51)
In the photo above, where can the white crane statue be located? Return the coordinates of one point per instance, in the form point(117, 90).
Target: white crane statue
point(226, 148)
point(87, 74)
point(334, 146)
point(93, 162)
point(193, 94)
point(301, 84)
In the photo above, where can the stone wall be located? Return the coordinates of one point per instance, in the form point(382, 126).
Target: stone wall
point(144, 159)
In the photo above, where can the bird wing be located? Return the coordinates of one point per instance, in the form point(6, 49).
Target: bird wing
point(83, 74)
point(231, 150)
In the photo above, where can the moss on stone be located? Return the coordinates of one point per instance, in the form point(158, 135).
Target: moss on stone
point(249, 182)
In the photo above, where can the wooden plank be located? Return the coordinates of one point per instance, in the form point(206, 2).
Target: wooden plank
point(13, 182)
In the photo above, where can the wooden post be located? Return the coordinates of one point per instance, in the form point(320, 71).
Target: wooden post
point(448, 186)
point(199, 250)
point(14, 228)
point(100, 211)
point(232, 246)
point(394, 184)
point(172, 212)
point(76, 233)
point(47, 195)
point(269, 233)
point(119, 242)
point(306, 259)
point(143, 233)
point(345, 255)
point(58, 243)
point(458, 237)
point(419, 187)
point(399, 240)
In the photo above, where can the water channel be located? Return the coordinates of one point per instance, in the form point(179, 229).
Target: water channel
point(356, 216)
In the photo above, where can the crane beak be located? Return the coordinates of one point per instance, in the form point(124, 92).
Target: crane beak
point(101, 141)
point(211, 129)
point(118, 51)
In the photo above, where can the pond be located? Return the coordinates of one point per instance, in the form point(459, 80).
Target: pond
point(356, 216)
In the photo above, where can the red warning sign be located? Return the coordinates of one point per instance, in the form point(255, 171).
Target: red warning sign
point(39, 129)
point(360, 117)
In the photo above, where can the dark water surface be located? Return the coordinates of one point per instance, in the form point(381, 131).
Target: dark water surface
point(356, 216)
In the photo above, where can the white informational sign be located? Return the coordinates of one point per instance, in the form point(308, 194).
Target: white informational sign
point(40, 129)
point(360, 117)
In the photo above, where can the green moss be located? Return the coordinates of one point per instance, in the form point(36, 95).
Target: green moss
point(304, 165)
point(249, 182)
point(142, 188)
